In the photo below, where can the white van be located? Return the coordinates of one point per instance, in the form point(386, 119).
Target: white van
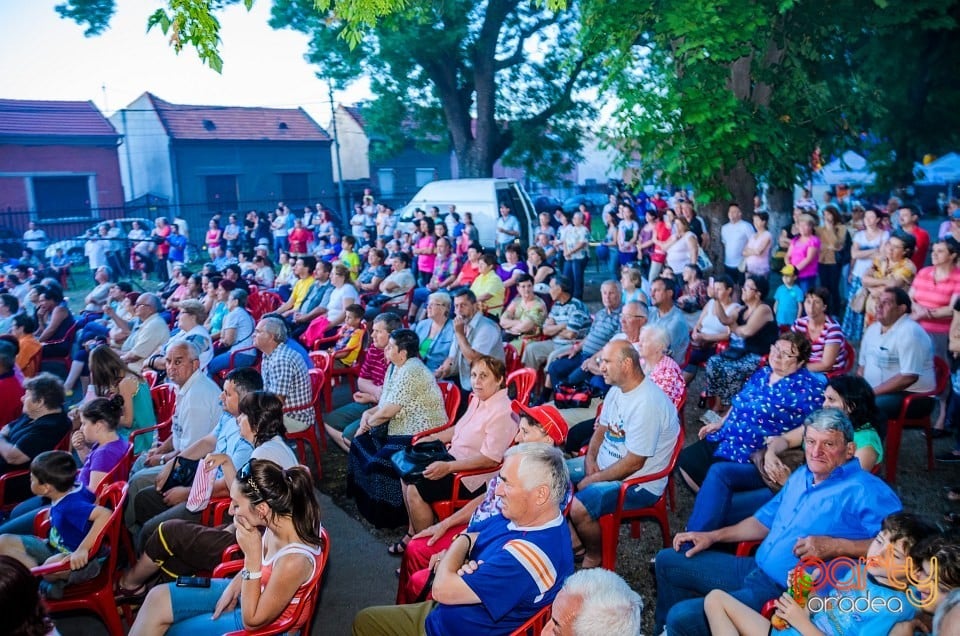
point(480, 197)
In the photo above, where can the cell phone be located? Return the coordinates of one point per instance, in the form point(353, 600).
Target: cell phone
point(193, 581)
point(711, 281)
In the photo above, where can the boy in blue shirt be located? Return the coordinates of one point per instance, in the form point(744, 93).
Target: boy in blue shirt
point(75, 523)
point(788, 299)
point(868, 601)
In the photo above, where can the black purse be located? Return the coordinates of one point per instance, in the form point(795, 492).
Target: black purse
point(182, 474)
point(413, 460)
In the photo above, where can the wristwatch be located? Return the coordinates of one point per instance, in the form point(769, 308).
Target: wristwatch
point(247, 575)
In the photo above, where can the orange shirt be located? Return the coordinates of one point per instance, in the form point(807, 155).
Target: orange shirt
point(29, 346)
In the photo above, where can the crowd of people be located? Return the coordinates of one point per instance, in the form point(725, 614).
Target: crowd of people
point(800, 382)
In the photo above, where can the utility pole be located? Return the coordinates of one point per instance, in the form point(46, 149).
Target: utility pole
point(344, 210)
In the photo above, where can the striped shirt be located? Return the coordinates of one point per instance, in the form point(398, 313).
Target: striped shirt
point(374, 367)
point(831, 334)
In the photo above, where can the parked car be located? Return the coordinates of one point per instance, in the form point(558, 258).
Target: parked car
point(11, 242)
point(594, 201)
point(480, 197)
point(74, 247)
point(548, 204)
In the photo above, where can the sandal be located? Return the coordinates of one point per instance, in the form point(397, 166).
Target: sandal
point(400, 546)
point(132, 595)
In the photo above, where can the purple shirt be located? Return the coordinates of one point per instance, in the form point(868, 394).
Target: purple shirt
point(103, 459)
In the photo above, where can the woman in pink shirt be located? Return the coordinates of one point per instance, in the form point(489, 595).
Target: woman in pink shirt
point(425, 250)
point(477, 442)
point(934, 292)
point(804, 253)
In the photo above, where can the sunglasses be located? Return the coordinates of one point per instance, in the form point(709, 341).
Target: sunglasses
point(245, 474)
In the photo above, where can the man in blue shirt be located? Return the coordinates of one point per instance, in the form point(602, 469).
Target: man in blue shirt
point(831, 507)
point(493, 580)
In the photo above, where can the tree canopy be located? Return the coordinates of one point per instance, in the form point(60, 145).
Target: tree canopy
point(717, 93)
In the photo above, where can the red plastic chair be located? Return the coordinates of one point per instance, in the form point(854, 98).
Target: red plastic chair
point(610, 524)
point(67, 339)
point(308, 436)
point(848, 364)
point(164, 399)
point(511, 358)
point(232, 362)
point(302, 617)
point(523, 381)
point(451, 403)
point(150, 377)
point(164, 404)
point(7, 479)
point(95, 595)
point(536, 624)
point(891, 451)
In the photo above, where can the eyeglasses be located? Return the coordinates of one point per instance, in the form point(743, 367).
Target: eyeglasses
point(777, 352)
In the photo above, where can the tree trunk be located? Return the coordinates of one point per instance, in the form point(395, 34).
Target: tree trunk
point(475, 160)
point(780, 205)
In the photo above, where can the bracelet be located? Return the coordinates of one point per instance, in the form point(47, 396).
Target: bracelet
point(469, 545)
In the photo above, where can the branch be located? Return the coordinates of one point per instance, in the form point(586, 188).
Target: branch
point(561, 102)
point(518, 56)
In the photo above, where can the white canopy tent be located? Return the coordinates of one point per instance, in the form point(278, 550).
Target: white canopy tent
point(848, 169)
point(945, 170)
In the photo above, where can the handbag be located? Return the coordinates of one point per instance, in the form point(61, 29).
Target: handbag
point(411, 461)
point(791, 458)
point(182, 474)
point(703, 261)
point(566, 396)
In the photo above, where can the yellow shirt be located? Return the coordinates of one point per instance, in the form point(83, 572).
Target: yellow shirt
point(491, 284)
point(300, 289)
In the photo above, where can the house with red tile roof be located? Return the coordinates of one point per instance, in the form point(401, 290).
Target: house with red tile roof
point(219, 159)
point(58, 166)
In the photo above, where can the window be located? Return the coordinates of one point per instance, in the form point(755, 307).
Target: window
point(385, 179)
point(295, 190)
point(62, 197)
point(425, 176)
point(222, 193)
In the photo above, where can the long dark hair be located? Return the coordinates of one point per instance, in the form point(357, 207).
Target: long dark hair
point(20, 600)
point(264, 413)
point(288, 493)
point(858, 397)
point(108, 410)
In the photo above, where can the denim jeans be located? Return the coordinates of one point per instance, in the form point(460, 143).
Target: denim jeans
point(575, 269)
point(683, 582)
point(21, 517)
point(730, 493)
point(567, 370)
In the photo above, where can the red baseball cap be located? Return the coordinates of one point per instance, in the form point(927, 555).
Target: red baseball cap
point(546, 417)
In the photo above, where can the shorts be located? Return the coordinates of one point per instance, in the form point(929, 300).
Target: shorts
point(192, 609)
point(40, 550)
point(600, 498)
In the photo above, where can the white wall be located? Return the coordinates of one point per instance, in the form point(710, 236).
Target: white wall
point(144, 151)
point(354, 148)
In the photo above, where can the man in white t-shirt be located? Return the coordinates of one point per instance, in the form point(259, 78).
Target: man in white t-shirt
point(636, 435)
point(896, 358)
point(734, 236)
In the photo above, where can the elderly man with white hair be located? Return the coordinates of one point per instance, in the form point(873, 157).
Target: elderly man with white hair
point(149, 331)
point(493, 579)
point(285, 373)
point(595, 602)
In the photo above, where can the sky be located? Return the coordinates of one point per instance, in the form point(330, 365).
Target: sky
point(43, 56)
